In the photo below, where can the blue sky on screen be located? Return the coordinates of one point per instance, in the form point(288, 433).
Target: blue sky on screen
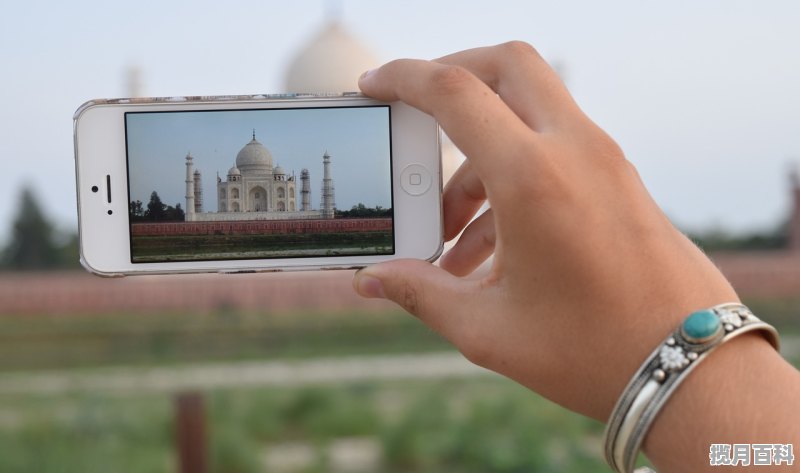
point(357, 139)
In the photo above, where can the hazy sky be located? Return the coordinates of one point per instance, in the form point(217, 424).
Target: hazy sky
point(357, 139)
point(704, 97)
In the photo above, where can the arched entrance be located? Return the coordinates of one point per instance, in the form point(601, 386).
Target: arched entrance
point(258, 199)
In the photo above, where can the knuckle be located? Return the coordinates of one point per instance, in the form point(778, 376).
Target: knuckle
point(390, 70)
point(488, 238)
point(627, 168)
point(394, 64)
point(598, 147)
point(450, 80)
point(519, 50)
point(410, 297)
point(606, 151)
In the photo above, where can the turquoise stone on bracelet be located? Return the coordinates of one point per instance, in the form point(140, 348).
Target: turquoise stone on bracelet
point(701, 325)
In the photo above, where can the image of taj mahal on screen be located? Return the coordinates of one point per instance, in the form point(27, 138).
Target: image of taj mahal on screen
point(252, 184)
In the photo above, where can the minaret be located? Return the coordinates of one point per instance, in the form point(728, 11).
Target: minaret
point(134, 81)
point(794, 217)
point(305, 191)
point(328, 201)
point(189, 189)
point(198, 192)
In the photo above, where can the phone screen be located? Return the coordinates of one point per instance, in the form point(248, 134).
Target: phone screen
point(253, 184)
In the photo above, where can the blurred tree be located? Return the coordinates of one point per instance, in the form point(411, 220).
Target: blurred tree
point(136, 210)
point(32, 244)
point(718, 239)
point(69, 251)
point(175, 213)
point(156, 210)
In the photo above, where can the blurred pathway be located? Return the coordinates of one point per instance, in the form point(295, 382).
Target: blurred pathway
point(243, 373)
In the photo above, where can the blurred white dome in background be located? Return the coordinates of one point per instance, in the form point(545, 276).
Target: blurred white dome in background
point(330, 62)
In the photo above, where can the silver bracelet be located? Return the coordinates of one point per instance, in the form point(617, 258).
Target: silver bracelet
point(649, 389)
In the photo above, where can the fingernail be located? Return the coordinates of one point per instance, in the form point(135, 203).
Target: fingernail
point(368, 286)
point(365, 74)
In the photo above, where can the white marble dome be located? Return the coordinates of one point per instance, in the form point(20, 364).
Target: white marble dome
point(330, 62)
point(234, 171)
point(254, 157)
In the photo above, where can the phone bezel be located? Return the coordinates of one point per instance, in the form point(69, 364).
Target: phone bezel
point(100, 150)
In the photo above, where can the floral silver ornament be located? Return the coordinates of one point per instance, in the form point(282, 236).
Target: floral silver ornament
point(731, 318)
point(672, 358)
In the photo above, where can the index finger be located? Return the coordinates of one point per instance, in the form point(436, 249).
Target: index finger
point(523, 79)
point(489, 133)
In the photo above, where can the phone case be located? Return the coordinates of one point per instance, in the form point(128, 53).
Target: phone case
point(288, 97)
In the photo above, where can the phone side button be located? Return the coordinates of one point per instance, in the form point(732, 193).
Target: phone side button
point(415, 179)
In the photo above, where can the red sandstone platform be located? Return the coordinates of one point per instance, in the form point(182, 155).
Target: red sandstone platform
point(268, 227)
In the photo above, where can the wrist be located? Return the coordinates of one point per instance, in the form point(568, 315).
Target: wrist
point(664, 303)
point(666, 368)
point(642, 340)
point(730, 399)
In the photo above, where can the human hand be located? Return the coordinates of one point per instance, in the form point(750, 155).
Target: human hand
point(588, 274)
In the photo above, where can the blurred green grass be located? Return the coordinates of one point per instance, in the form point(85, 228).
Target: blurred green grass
point(61, 342)
point(33, 342)
point(467, 425)
point(783, 313)
point(486, 424)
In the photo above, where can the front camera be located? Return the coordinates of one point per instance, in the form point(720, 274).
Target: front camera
point(110, 212)
point(95, 188)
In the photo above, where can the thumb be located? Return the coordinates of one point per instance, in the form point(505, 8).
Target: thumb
point(419, 287)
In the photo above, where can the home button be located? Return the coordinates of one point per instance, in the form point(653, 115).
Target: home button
point(415, 179)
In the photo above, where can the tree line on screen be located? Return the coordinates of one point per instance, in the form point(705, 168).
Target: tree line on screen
point(34, 242)
point(362, 211)
point(156, 211)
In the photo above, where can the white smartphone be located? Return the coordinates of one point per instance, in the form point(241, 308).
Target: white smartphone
point(255, 183)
